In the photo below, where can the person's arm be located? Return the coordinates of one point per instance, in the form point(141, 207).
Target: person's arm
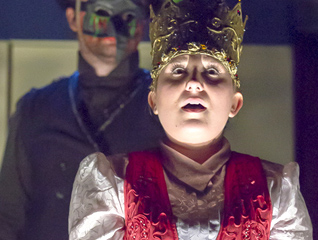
point(15, 182)
point(290, 216)
point(97, 203)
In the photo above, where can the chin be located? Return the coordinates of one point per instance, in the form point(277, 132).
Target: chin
point(194, 137)
point(106, 53)
point(197, 142)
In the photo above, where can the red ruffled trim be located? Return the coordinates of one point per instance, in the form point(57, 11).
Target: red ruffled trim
point(148, 213)
point(247, 204)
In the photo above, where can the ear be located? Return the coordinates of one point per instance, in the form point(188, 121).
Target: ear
point(71, 18)
point(237, 104)
point(152, 102)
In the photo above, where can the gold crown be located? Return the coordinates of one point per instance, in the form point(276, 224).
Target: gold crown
point(196, 26)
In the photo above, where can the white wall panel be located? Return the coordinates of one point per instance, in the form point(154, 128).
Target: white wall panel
point(4, 54)
point(36, 63)
point(4, 50)
point(264, 126)
point(144, 55)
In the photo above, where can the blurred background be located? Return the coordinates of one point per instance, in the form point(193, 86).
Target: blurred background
point(278, 72)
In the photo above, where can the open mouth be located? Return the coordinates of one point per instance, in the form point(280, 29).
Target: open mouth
point(193, 108)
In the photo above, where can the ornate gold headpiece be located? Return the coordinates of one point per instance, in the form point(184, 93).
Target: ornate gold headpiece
point(208, 27)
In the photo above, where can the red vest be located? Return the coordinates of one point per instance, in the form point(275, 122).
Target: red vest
point(148, 214)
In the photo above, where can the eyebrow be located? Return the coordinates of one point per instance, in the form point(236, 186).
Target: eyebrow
point(179, 59)
point(216, 63)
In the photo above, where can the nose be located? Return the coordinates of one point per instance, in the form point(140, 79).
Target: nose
point(194, 84)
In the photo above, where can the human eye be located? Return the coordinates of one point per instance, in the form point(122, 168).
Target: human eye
point(178, 70)
point(212, 71)
point(213, 75)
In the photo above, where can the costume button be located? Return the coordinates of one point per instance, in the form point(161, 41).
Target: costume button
point(63, 166)
point(59, 195)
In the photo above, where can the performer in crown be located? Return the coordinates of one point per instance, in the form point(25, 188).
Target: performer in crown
point(194, 186)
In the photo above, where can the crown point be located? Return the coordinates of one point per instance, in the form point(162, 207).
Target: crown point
point(173, 23)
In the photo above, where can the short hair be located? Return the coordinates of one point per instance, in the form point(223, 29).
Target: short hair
point(66, 3)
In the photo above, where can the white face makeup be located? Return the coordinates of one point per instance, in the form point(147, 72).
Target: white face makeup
point(194, 98)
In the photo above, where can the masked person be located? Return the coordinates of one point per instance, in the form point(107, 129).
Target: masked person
point(193, 186)
point(101, 107)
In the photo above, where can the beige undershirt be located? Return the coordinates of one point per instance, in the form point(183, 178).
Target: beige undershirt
point(195, 190)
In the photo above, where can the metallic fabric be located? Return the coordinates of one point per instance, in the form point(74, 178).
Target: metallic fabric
point(209, 24)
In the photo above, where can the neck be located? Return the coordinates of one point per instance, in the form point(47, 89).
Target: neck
point(103, 67)
point(197, 152)
point(126, 71)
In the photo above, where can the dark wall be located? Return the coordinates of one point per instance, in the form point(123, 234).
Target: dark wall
point(306, 102)
point(38, 19)
point(306, 119)
point(33, 19)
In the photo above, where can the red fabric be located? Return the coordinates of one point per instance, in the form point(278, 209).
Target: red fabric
point(148, 213)
point(247, 204)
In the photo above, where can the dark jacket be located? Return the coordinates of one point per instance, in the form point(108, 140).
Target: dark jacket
point(47, 140)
